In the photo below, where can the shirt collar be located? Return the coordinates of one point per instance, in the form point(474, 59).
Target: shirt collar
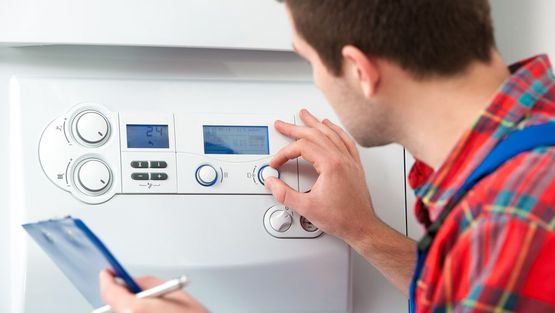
point(510, 106)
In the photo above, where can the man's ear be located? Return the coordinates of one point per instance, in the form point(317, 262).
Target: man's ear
point(361, 69)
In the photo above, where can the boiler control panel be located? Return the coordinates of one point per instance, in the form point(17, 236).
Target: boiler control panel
point(95, 154)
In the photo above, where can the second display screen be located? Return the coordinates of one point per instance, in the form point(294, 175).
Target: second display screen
point(220, 139)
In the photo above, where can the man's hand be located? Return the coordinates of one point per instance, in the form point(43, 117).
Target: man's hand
point(339, 202)
point(122, 301)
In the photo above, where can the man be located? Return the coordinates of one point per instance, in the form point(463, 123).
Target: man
point(424, 74)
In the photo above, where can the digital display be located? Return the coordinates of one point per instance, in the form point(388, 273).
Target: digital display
point(147, 136)
point(236, 140)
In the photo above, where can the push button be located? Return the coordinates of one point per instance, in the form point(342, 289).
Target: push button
point(158, 164)
point(158, 176)
point(139, 164)
point(139, 176)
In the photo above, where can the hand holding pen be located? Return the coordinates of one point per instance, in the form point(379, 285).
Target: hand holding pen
point(159, 296)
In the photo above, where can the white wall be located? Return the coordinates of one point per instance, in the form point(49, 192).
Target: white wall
point(4, 195)
point(524, 28)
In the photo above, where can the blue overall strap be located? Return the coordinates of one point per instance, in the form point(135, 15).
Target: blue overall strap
point(520, 141)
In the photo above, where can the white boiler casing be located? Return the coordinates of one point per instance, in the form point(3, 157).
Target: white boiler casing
point(216, 234)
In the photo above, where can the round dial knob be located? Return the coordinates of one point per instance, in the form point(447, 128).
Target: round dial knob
point(92, 127)
point(266, 171)
point(94, 175)
point(281, 220)
point(207, 175)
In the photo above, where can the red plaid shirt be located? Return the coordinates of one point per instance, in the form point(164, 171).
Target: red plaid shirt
point(496, 250)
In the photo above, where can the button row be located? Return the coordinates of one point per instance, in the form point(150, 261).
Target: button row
point(153, 176)
point(145, 164)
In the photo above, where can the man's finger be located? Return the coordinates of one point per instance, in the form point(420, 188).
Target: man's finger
point(286, 195)
point(304, 132)
point(300, 148)
point(148, 282)
point(310, 120)
point(117, 296)
point(345, 137)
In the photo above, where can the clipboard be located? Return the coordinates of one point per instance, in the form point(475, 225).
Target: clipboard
point(79, 254)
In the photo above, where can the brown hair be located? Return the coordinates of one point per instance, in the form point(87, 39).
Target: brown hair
point(425, 37)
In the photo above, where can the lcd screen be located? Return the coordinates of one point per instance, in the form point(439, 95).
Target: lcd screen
point(220, 139)
point(147, 136)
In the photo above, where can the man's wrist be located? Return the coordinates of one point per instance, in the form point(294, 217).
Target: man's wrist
point(390, 251)
point(362, 237)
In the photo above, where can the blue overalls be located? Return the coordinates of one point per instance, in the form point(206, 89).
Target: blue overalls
point(517, 142)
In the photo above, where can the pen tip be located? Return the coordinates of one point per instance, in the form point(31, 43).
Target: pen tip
point(183, 280)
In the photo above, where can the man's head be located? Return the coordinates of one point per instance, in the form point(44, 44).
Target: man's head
point(351, 44)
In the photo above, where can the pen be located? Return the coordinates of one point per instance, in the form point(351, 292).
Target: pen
point(162, 289)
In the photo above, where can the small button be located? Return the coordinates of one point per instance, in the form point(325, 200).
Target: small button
point(158, 176)
point(139, 176)
point(158, 164)
point(139, 164)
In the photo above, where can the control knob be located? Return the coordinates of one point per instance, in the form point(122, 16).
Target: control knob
point(281, 220)
point(94, 176)
point(92, 127)
point(266, 171)
point(206, 175)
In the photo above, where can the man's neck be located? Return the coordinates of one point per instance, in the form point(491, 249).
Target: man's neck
point(435, 114)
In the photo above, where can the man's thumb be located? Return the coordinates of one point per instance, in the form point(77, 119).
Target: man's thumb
point(283, 193)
